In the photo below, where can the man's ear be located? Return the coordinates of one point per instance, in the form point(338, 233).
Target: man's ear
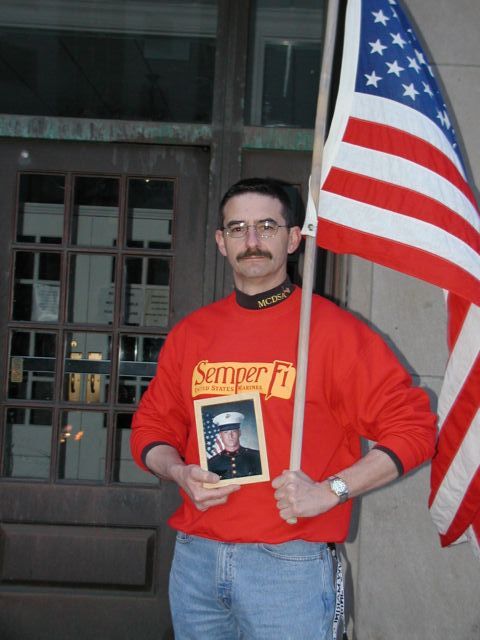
point(220, 240)
point(294, 239)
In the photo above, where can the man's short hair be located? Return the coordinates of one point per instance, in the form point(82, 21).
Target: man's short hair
point(265, 187)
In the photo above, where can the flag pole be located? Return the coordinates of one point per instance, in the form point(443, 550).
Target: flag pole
point(309, 230)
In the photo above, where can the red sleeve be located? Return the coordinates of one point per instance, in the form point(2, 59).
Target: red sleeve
point(382, 405)
point(161, 417)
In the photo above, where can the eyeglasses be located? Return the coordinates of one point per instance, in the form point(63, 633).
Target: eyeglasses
point(263, 228)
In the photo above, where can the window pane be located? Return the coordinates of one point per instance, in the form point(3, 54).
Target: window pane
point(40, 208)
point(150, 213)
point(125, 469)
point(290, 71)
point(87, 367)
point(36, 287)
point(138, 361)
point(27, 443)
point(83, 442)
point(95, 215)
point(147, 291)
point(90, 291)
point(284, 62)
point(32, 365)
point(127, 60)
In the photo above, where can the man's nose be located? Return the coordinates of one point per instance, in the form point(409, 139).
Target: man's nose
point(251, 237)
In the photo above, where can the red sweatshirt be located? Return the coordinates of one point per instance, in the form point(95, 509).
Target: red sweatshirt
point(355, 387)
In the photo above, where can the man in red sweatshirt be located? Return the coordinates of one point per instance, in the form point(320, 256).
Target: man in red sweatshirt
point(240, 570)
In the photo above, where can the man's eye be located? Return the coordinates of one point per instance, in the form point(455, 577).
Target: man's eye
point(267, 225)
point(236, 228)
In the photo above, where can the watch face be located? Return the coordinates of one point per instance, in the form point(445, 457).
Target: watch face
point(339, 486)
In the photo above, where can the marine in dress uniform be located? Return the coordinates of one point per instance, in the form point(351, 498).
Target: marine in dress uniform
point(234, 461)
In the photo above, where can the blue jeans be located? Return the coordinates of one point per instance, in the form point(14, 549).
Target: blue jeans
point(221, 591)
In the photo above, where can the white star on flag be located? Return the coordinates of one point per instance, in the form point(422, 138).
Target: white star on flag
point(377, 47)
point(410, 91)
point(394, 67)
point(420, 57)
point(397, 39)
point(427, 89)
point(440, 117)
point(372, 79)
point(413, 64)
point(380, 17)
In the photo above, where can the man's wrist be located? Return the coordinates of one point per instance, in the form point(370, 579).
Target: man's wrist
point(162, 461)
point(175, 472)
point(327, 499)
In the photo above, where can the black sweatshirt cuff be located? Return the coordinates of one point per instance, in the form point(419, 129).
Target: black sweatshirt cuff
point(146, 449)
point(393, 456)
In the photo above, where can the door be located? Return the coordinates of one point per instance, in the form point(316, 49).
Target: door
point(102, 251)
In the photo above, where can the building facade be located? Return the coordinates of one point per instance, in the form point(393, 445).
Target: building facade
point(122, 122)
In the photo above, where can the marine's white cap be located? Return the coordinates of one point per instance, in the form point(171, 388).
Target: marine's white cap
point(229, 420)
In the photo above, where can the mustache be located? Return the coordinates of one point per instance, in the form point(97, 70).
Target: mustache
point(254, 253)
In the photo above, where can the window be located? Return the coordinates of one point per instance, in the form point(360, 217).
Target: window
point(284, 67)
point(152, 61)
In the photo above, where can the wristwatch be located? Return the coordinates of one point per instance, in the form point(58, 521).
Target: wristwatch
point(339, 488)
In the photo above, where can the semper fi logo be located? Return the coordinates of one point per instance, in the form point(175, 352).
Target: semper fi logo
point(225, 378)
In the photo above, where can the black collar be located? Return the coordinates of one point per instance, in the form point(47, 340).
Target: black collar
point(265, 299)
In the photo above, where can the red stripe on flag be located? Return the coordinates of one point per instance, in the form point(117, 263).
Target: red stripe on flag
point(468, 512)
point(457, 309)
point(381, 137)
point(455, 427)
point(400, 200)
point(396, 255)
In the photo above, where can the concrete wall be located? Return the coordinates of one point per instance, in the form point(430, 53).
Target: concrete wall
point(404, 585)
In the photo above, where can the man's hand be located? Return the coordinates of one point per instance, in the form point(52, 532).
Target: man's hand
point(298, 496)
point(165, 462)
point(191, 479)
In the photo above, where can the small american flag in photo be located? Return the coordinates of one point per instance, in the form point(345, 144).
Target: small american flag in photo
point(213, 443)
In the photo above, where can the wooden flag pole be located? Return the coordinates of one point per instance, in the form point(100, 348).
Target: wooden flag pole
point(310, 231)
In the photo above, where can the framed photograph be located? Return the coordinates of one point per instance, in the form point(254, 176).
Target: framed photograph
point(231, 438)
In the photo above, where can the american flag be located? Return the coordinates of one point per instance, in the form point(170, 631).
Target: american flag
point(395, 191)
point(213, 443)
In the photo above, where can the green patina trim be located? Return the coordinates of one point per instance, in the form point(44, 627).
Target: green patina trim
point(85, 130)
point(96, 130)
point(278, 138)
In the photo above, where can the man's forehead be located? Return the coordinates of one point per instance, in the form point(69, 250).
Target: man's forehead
point(252, 204)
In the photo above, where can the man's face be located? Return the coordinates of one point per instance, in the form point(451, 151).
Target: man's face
point(230, 439)
point(258, 264)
